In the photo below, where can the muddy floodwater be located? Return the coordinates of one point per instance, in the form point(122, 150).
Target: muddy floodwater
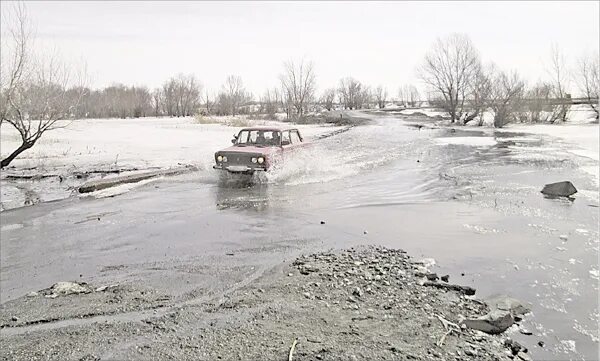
point(469, 199)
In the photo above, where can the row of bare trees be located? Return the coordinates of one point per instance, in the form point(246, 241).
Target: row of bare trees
point(179, 96)
point(40, 93)
point(465, 88)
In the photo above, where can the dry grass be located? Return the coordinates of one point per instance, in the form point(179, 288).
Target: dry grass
point(240, 122)
point(201, 119)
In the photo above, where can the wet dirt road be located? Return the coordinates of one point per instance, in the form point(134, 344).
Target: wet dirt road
point(468, 199)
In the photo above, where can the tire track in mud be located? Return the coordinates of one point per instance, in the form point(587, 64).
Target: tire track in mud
point(132, 316)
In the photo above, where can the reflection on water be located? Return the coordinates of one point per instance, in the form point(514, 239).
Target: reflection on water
point(250, 196)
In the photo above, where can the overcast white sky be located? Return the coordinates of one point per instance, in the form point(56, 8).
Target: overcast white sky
point(144, 43)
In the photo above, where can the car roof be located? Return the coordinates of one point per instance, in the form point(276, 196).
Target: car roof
point(267, 128)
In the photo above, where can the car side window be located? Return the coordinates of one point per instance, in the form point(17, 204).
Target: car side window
point(285, 140)
point(295, 137)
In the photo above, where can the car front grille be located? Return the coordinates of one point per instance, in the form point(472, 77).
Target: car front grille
point(238, 159)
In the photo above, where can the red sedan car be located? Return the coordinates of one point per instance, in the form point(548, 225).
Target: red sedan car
point(256, 149)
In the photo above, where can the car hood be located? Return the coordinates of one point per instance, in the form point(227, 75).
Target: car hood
point(250, 149)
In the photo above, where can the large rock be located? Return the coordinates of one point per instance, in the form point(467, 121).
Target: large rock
point(495, 322)
point(559, 189)
point(503, 312)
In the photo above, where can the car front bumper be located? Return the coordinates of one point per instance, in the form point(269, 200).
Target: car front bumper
point(239, 168)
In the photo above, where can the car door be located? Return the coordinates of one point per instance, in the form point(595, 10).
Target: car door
point(286, 141)
point(297, 141)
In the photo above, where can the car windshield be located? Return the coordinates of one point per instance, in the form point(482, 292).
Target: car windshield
point(259, 138)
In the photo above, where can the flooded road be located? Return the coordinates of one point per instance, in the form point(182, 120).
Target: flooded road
point(467, 198)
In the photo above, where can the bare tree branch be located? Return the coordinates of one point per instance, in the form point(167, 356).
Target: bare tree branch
point(34, 98)
point(298, 82)
point(449, 69)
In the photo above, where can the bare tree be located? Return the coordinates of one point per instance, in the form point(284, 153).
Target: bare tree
point(286, 102)
point(380, 96)
point(449, 69)
point(506, 96)
point(560, 82)
point(190, 94)
point(328, 98)
point(169, 97)
point(209, 101)
point(298, 82)
point(538, 107)
point(364, 98)
point(401, 96)
point(588, 79)
point(269, 102)
point(234, 93)
point(481, 93)
point(350, 92)
point(408, 95)
point(34, 89)
point(156, 101)
point(413, 95)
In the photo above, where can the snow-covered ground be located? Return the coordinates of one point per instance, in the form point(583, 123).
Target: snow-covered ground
point(430, 112)
point(579, 135)
point(88, 149)
point(133, 143)
point(579, 139)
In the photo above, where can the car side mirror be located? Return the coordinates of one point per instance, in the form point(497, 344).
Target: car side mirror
point(233, 141)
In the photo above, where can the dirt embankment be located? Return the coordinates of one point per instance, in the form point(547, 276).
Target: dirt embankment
point(367, 304)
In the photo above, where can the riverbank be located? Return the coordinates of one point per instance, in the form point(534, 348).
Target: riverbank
point(370, 303)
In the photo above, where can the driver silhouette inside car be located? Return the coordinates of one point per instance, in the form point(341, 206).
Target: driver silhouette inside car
point(276, 139)
point(260, 138)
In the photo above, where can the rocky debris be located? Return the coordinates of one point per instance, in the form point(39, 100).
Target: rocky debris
point(525, 331)
point(514, 346)
point(523, 356)
point(506, 303)
point(429, 275)
point(559, 189)
point(358, 304)
point(504, 311)
point(469, 291)
point(67, 288)
point(495, 322)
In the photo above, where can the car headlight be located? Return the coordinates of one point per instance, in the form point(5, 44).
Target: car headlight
point(261, 160)
point(254, 160)
point(219, 158)
point(224, 159)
